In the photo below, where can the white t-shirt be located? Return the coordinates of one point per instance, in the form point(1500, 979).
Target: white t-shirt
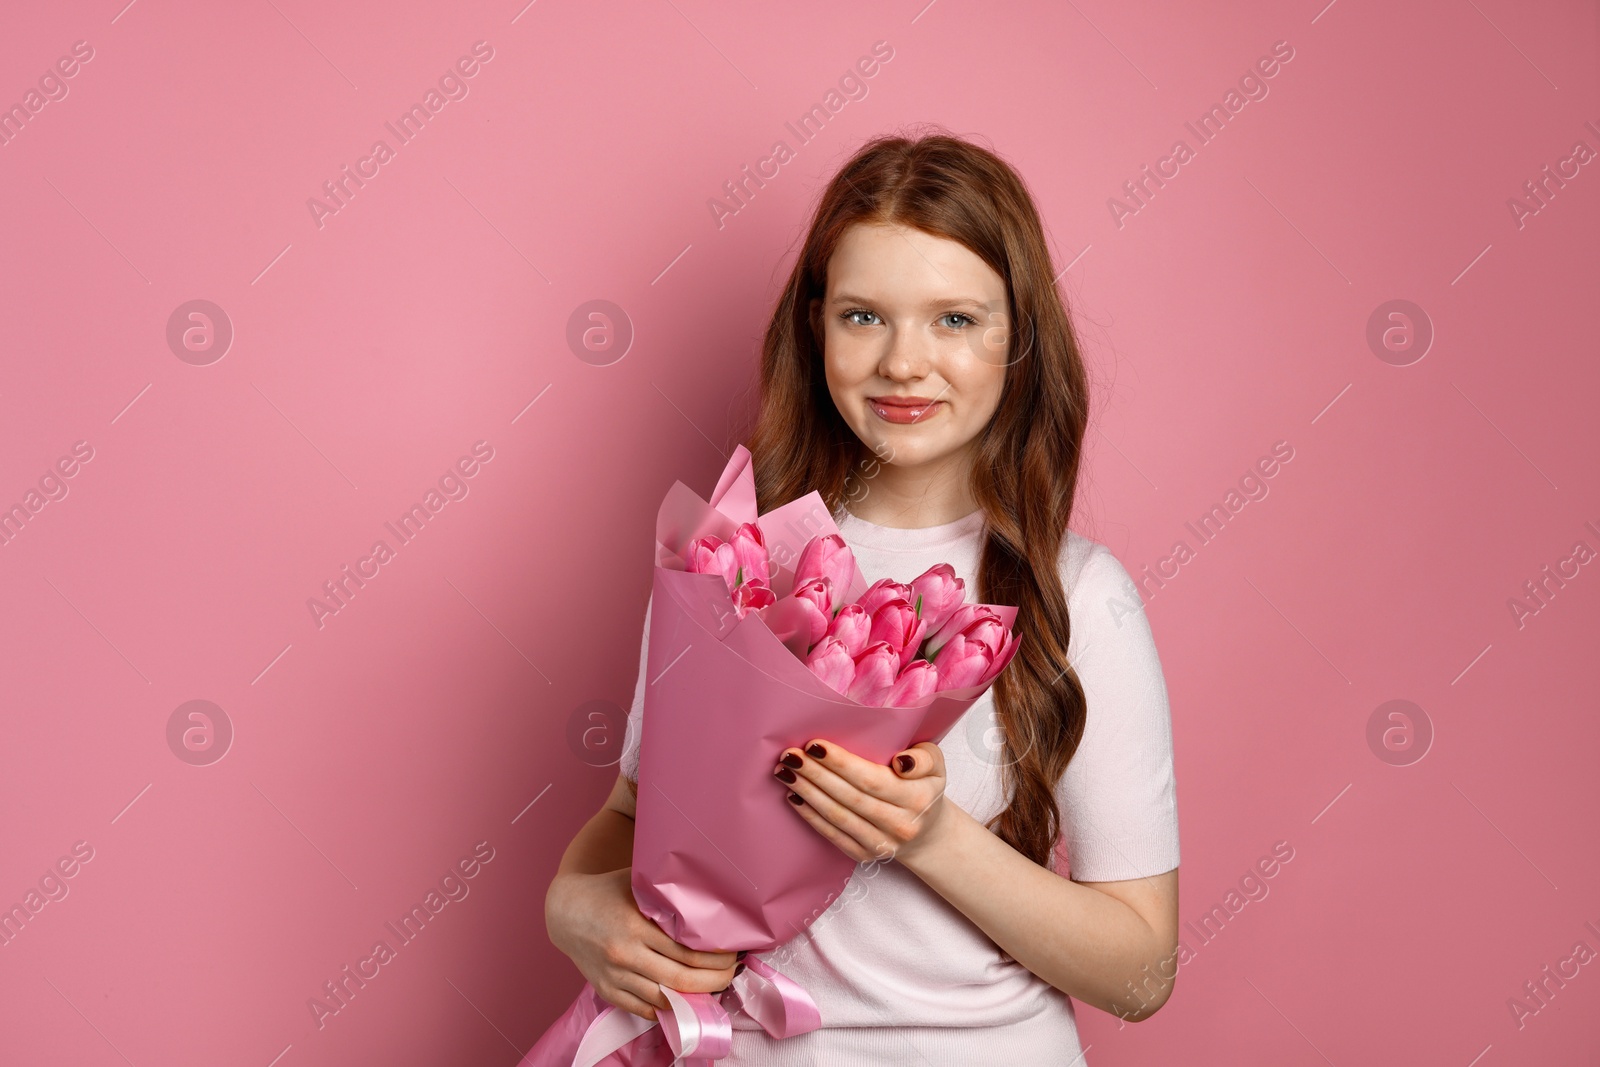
point(899, 974)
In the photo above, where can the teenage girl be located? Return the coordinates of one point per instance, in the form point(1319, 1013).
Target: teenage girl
point(921, 373)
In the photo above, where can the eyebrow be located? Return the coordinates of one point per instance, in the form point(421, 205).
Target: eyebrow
point(928, 305)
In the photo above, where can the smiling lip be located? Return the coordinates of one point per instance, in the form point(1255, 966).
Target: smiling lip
point(902, 409)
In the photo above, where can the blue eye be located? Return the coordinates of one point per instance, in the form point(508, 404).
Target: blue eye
point(847, 316)
point(959, 315)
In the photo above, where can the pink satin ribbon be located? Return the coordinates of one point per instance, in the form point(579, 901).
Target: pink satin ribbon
point(698, 1027)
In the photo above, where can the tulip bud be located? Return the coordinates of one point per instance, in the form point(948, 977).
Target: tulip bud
point(896, 622)
point(750, 552)
point(853, 626)
point(816, 595)
point(832, 662)
point(827, 556)
point(962, 663)
point(751, 596)
point(916, 681)
point(942, 593)
point(876, 670)
point(881, 592)
point(960, 620)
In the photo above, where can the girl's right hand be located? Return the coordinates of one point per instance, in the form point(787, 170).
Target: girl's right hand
point(626, 957)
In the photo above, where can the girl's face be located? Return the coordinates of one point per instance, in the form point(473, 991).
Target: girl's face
point(915, 334)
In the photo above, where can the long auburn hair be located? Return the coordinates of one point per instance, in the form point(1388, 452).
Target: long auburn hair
point(1025, 467)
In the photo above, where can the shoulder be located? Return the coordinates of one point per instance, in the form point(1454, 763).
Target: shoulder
point(1091, 573)
point(1102, 598)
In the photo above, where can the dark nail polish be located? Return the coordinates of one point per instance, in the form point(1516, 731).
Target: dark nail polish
point(742, 953)
point(738, 970)
point(796, 798)
point(785, 775)
point(790, 759)
point(816, 751)
point(906, 762)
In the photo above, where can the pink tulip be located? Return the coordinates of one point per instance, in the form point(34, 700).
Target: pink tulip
point(961, 663)
point(876, 670)
point(881, 592)
point(832, 662)
point(711, 555)
point(750, 550)
point(958, 622)
point(942, 593)
point(916, 681)
point(896, 622)
point(827, 556)
point(965, 661)
point(752, 596)
point(853, 626)
point(816, 596)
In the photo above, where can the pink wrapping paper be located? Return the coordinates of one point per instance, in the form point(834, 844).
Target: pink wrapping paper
point(720, 859)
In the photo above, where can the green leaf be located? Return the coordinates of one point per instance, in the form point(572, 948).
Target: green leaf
point(918, 609)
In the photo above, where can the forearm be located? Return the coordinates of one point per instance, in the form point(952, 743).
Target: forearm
point(1086, 943)
point(603, 844)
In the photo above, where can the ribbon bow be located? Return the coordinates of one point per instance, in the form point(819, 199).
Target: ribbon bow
point(698, 1027)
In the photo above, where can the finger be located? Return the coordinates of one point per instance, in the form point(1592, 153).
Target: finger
point(847, 830)
point(658, 940)
point(919, 761)
point(631, 1003)
point(866, 778)
point(828, 772)
point(675, 975)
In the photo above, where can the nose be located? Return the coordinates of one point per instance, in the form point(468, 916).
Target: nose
point(905, 358)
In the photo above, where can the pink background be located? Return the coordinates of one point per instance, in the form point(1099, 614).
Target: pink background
point(450, 701)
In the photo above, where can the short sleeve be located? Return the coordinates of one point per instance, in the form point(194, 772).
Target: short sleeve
point(628, 765)
point(1118, 797)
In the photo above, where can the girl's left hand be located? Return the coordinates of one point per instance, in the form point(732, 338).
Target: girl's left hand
point(870, 812)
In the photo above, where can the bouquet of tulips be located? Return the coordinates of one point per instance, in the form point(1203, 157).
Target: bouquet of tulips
point(894, 646)
point(763, 634)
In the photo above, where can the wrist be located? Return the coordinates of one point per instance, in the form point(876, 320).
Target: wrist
point(936, 840)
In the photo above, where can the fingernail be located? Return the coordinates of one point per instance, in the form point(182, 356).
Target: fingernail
point(742, 954)
point(906, 762)
point(816, 751)
point(796, 798)
point(738, 970)
point(784, 775)
point(792, 760)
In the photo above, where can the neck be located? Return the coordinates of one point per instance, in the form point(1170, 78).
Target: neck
point(910, 498)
